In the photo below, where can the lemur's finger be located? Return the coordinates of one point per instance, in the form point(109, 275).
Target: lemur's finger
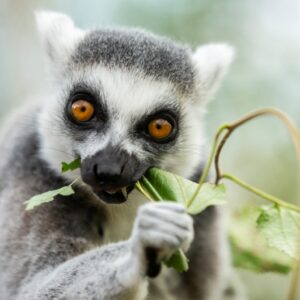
point(181, 222)
point(168, 205)
point(160, 239)
point(151, 224)
point(164, 225)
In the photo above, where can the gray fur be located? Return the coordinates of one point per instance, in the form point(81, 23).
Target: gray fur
point(138, 49)
point(79, 247)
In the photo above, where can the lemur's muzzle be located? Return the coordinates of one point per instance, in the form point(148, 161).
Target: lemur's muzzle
point(112, 173)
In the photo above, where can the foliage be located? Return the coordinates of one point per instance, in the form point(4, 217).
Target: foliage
point(161, 185)
point(48, 197)
point(249, 247)
point(281, 228)
point(73, 165)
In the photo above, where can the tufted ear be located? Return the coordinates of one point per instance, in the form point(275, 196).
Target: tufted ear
point(58, 35)
point(211, 63)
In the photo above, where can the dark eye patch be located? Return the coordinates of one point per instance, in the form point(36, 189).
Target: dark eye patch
point(170, 114)
point(95, 98)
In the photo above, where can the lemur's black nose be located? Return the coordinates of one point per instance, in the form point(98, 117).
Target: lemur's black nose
point(108, 172)
point(107, 169)
point(112, 173)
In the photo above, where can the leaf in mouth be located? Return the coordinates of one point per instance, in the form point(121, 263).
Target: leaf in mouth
point(71, 166)
point(48, 197)
point(160, 185)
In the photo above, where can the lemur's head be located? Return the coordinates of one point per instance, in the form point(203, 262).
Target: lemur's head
point(124, 100)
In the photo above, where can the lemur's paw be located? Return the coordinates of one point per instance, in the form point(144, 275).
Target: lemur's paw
point(163, 226)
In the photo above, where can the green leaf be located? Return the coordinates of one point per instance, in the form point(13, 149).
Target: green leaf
point(209, 194)
point(163, 185)
point(281, 228)
point(48, 197)
point(249, 248)
point(178, 261)
point(249, 260)
point(71, 166)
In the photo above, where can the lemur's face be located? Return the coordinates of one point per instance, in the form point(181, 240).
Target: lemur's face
point(123, 101)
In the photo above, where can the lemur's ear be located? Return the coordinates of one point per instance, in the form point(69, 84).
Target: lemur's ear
point(58, 34)
point(211, 63)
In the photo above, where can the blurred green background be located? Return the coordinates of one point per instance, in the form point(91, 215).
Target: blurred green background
point(266, 35)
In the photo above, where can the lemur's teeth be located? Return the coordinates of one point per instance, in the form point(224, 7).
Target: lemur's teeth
point(111, 192)
point(124, 192)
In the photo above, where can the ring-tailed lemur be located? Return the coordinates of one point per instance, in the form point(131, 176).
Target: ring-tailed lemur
point(122, 100)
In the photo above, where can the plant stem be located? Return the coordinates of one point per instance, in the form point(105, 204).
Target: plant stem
point(218, 153)
point(294, 281)
point(139, 187)
point(295, 135)
point(293, 131)
point(153, 193)
point(74, 181)
point(260, 193)
point(208, 164)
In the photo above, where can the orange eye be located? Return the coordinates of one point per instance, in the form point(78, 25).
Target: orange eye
point(82, 110)
point(160, 129)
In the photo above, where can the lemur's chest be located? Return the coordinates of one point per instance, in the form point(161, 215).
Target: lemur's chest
point(118, 227)
point(121, 218)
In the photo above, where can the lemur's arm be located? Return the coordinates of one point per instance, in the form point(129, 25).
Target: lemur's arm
point(109, 272)
point(208, 257)
point(115, 271)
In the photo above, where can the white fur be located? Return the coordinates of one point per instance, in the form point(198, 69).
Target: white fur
point(211, 64)
point(59, 36)
point(123, 215)
point(128, 95)
point(164, 226)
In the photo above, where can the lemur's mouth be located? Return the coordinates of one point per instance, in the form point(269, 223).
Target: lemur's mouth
point(112, 173)
point(113, 195)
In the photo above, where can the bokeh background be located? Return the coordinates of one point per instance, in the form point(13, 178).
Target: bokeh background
point(266, 35)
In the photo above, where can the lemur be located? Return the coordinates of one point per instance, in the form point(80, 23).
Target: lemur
point(123, 100)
